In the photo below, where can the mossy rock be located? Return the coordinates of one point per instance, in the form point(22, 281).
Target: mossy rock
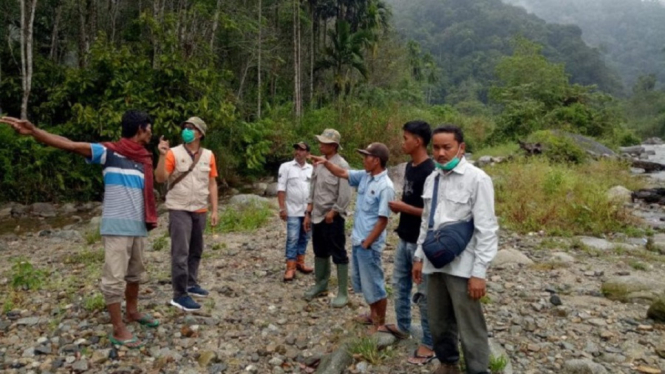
point(558, 147)
point(632, 289)
point(657, 310)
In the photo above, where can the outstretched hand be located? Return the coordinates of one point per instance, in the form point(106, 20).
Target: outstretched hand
point(317, 160)
point(21, 126)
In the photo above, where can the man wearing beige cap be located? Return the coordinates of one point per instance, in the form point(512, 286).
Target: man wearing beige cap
point(191, 173)
point(292, 193)
point(325, 215)
point(375, 191)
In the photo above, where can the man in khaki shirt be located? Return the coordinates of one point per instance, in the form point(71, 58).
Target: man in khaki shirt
point(325, 216)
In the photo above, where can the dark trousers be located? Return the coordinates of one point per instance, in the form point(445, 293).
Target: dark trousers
point(186, 230)
point(454, 316)
point(328, 240)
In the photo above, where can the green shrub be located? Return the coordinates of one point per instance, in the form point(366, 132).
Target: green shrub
point(245, 218)
point(25, 276)
point(558, 148)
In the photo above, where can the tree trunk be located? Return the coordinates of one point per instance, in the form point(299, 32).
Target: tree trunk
point(296, 59)
point(215, 24)
point(83, 34)
point(54, 34)
point(311, 59)
point(26, 52)
point(258, 67)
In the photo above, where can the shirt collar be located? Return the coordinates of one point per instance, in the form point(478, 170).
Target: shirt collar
point(459, 169)
point(378, 176)
point(295, 163)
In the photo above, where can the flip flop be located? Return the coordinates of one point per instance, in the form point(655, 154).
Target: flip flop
point(147, 320)
point(416, 359)
point(133, 343)
point(364, 319)
point(391, 328)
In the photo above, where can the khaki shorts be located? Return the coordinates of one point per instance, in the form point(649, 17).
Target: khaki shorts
point(123, 263)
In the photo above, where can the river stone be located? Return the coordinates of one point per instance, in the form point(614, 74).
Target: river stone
point(246, 199)
point(562, 257)
point(336, 362)
point(632, 288)
point(510, 256)
point(259, 188)
point(596, 243)
point(6, 213)
point(584, 366)
point(619, 194)
point(271, 191)
point(497, 351)
point(657, 309)
point(43, 210)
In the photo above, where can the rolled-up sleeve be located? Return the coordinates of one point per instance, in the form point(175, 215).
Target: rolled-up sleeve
point(486, 227)
point(282, 177)
point(343, 193)
point(386, 196)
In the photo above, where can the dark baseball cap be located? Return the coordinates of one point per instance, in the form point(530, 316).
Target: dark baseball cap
point(378, 150)
point(302, 145)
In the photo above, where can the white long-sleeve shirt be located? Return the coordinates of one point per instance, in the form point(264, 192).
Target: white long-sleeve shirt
point(465, 193)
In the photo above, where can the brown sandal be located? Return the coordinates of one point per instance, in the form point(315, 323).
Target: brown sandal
point(364, 319)
point(391, 328)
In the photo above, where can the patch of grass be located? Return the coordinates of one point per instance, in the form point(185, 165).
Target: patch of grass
point(485, 300)
point(218, 246)
point(245, 218)
point(25, 276)
point(533, 194)
point(160, 243)
point(93, 236)
point(7, 305)
point(637, 265)
point(366, 349)
point(94, 303)
point(550, 243)
point(498, 364)
point(86, 257)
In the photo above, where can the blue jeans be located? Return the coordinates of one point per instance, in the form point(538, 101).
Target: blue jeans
point(296, 238)
point(367, 274)
point(402, 284)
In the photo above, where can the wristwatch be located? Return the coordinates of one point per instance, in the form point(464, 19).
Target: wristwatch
point(308, 213)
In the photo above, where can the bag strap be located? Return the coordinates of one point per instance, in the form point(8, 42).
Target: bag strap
point(435, 198)
point(185, 174)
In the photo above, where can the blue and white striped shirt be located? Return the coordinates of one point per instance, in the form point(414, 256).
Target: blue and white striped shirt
point(123, 210)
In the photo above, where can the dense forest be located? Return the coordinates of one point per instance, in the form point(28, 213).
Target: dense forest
point(264, 73)
point(630, 33)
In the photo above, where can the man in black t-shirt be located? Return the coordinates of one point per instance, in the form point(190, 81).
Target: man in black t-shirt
point(417, 135)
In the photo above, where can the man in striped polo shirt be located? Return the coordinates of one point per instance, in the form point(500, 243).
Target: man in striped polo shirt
point(128, 212)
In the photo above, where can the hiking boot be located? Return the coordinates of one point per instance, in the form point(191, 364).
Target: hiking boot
point(322, 273)
point(185, 303)
point(290, 271)
point(300, 265)
point(342, 297)
point(197, 291)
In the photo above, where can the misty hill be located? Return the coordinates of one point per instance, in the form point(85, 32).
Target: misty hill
point(468, 37)
point(631, 33)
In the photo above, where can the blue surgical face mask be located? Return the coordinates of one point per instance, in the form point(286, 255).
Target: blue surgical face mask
point(450, 165)
point(188, 135)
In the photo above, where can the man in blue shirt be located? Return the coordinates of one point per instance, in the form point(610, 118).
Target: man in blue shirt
point(128, 213)
point(375, 191)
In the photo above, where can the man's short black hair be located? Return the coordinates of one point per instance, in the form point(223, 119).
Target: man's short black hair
point(450, 129)
point(420, 129)
point(132, 120)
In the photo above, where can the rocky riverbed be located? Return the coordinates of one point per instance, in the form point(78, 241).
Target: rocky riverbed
point(555, 305)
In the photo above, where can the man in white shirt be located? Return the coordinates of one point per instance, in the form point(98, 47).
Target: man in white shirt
point(292, 194)
point(454, 291)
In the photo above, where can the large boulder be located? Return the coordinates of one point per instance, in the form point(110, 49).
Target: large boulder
point(247, 199)
point(510, 256)
point(43, 210)
point(396, 175)
point(657, 309)
point(633, 288)
point(271, 191)
point(619, 194)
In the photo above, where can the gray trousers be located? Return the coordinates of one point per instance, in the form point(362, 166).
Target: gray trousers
point(454, 316)
point(186, 230)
